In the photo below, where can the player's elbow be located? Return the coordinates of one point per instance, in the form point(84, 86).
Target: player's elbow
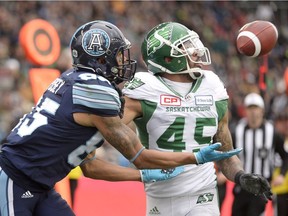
point(85, 171)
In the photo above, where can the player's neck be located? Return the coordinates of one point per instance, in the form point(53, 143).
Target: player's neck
point(182, 88)
point(184, 78)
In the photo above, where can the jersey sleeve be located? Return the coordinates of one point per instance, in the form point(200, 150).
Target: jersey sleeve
point(216, 85)
point(218, 91)
point(139, 87)
point(96, 99)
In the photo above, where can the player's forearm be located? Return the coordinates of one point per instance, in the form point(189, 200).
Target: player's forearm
point(155, 159)
point(124, 140)
point(103, 170)
point(230, 167)
point(129, 145)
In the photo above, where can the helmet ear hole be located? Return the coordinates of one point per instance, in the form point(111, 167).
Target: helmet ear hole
point(101, 60)
point(168, 59)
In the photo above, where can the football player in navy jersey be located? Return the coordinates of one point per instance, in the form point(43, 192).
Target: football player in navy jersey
point(75, 114)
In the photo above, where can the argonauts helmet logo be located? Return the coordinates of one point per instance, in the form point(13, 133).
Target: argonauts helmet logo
point(95, 42)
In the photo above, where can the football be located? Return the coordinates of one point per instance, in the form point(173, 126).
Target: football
point(257, 38)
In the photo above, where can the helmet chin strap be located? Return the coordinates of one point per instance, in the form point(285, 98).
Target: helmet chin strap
point(82, 66)
point(163, 69)
point(195, 73)
point(192, 74)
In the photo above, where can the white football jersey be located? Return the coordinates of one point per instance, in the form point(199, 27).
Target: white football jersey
point(172, 122)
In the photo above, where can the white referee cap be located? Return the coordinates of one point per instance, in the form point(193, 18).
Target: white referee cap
point(254, 99)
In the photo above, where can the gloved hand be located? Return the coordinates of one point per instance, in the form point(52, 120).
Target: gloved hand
point(209, 153)
point(255, 184)
point(153, 175)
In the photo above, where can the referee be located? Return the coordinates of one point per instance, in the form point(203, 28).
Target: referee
point(260, 143)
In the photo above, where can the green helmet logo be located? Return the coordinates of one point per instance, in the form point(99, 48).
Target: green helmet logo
point(153, 44)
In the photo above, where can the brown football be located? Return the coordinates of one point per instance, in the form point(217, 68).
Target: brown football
point(257, 38)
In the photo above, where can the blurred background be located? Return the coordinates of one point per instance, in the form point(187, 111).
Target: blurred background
point(217, 23)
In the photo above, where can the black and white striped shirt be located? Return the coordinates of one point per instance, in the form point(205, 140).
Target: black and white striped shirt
point(259, 148)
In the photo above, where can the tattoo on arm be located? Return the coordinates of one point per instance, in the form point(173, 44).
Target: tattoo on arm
point(229, 166)
point(123, 139)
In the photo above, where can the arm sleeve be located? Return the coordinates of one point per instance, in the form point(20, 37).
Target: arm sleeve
point(222, 107)
point(96, 99)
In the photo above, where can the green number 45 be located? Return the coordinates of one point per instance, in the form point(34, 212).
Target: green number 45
point(172, 138)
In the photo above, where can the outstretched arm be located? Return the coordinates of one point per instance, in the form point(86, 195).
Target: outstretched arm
point(233, 169)
point(127, 143)
point(96, 168)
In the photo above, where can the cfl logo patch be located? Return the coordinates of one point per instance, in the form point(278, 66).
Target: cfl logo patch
point(204, 198)
point(168, 100)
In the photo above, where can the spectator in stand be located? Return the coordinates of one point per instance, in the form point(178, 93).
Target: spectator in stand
point(279, 182)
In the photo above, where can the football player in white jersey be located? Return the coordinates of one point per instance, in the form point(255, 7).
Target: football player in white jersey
point(180, 107)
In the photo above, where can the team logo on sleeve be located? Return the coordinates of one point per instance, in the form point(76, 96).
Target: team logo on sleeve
point(134, 83)
point(96, 42)
point(168, 100)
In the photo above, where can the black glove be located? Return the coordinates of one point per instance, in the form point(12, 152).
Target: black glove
point(122, 100)
point(255, 184)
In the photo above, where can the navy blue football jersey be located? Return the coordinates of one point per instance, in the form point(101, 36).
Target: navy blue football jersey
point(47, 143)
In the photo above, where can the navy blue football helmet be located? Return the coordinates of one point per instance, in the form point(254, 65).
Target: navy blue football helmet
point(100, 46)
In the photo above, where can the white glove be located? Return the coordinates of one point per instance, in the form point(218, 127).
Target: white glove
point(209, 153)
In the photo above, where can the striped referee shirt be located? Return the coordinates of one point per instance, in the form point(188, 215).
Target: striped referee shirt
point(259, 148)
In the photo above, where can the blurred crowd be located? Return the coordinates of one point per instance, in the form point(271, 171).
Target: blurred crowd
point(217, 23)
